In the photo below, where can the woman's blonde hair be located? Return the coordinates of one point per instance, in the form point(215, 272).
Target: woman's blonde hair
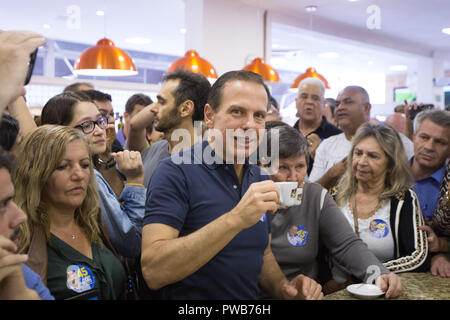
point(398, 176)
point(40, 153)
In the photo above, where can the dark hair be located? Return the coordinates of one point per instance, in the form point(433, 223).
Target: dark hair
point(292, 143)
point(149, 128)
point(275, 123)
point(192, 86)
point(98, 95)
point(138, 98)
point(75, 86)
point(272, 102)
point(215, 94)
point(332, 105)
point(9, 130)
point(7, 160)
point(59, 109)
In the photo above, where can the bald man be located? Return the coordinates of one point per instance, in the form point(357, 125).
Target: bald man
point(396, 121)
point(352, 110)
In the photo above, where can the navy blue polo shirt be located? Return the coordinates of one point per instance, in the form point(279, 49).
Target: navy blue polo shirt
point(192, 194)
point(325, 129)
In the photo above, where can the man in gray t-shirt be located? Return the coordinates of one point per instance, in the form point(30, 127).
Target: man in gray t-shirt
point(151, 156)
point(179, 103)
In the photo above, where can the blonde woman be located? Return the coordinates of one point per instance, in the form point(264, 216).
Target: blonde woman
point(64, 236)
point(124, 215)
point(375, 196)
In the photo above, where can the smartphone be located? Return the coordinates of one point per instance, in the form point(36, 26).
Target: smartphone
point(33, 56)
point(413, 112)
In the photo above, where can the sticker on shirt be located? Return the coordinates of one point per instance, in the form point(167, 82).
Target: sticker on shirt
point(379, 228)
point(80, 278)
point(428, 221)
point(297, 235)
point(263, 218)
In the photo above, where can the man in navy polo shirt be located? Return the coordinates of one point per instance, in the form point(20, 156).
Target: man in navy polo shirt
point(431, 149)
point(207, 230)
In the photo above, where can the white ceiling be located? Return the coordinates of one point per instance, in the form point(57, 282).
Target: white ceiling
point(416, 22)
point(412, 26)
point(157, 20)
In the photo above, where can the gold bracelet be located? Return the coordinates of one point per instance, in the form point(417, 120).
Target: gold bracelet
point(135, 184)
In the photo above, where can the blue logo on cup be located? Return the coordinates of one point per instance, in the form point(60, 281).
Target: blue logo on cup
point(297, 235)
point(379, 228)
point(80, 278)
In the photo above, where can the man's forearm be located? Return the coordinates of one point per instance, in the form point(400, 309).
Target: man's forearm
point(136, 136)
point(328, 180)
point(272, 278)
point(169, 261)
point(19, 110)
point(14, 288)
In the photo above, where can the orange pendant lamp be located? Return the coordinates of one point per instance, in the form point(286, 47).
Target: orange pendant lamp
point(104, 60)
point(310, 73)
point(268, 73)
point(193, 62)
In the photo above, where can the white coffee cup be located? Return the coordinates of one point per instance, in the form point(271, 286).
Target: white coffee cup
point(290, 195)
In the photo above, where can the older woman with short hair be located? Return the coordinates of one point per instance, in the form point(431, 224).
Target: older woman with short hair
point(317, 222)
point(376, 198)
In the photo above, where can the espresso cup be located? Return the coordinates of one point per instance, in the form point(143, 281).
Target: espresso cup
point(290, 194)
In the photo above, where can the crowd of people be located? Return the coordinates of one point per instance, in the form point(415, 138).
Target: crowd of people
point(172, 205)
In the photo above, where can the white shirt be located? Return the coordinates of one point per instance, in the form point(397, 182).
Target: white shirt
point(330, 151)
point(335, 148)
point(376, 231)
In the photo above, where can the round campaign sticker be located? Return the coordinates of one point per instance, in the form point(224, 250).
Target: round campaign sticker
point(80, 278)
point(263, 218)
point(297, 235)
point(379, 228)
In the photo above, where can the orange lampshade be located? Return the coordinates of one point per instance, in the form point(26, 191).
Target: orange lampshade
point(310, 73)
point(268, 73)
point(104, 59)
point(193, 62)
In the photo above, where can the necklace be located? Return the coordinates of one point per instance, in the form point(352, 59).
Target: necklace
point(106, 165)
point(64, 234)
point(354, 212)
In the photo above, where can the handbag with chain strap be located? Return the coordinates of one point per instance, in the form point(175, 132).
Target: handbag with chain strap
point(441, 218)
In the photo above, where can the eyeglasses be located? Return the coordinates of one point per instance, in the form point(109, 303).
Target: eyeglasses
point(110, 115)
point(89, 126)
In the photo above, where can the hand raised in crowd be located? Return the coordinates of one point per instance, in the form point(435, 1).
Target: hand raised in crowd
point(12, 282)
point(15, 50)
point(409, 123)
point(302, 288)
point(391, 284)
point(260, 197)
point(339, 168)
point(130, 165)
point(313, 142)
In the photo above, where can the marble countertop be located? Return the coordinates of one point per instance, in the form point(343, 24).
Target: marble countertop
point(416, 286)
